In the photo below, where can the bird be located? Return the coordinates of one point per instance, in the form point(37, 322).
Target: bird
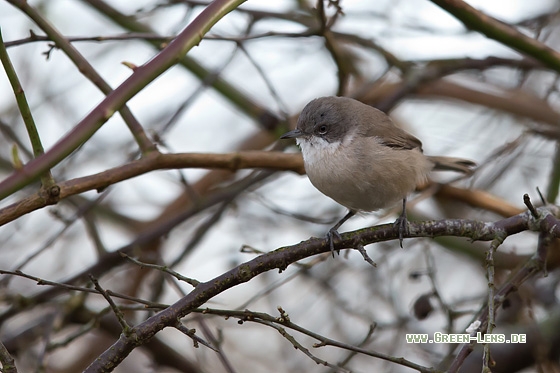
point(355, 154)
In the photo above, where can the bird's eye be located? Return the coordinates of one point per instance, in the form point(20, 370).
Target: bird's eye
point(322, 129)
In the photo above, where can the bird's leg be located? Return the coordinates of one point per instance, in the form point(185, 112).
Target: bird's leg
point(334, 230)
point(402, 223)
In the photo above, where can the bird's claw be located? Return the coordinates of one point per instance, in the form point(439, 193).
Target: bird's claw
point(330, 234)
point(402, 225)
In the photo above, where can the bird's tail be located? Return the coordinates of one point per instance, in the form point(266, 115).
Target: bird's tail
point(453, 164)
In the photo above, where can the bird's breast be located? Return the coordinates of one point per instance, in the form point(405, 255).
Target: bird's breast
point(365, 176)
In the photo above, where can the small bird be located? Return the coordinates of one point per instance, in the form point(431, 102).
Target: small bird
point(354, 154)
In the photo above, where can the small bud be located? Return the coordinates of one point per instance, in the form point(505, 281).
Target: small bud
point(16, 161)
point(130, 65)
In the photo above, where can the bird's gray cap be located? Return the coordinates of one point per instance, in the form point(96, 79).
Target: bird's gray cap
point(327, 117)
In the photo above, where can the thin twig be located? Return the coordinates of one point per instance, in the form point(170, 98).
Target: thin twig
point(191, 333)
point(501, 32)
point(157, 161)
point(141, 77)
point(164, 269)
point(83, 65)
point(116, 310)
point(486, 359)
point(61, 285)
point(365, 255)
point(47, 179)
point(529, 204)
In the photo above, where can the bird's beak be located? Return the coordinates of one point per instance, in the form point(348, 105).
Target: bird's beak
point(292, 134)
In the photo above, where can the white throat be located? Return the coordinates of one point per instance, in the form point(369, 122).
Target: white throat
point(315, 149)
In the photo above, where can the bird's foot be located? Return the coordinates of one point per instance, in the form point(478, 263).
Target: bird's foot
point(402, 225)
point(331, 234)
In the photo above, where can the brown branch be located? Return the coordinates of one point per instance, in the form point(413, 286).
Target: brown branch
point(34, 38)
point(480, 199)
point(266, 119)
point(83, 66)
point(531, 267)
point(141, 77)
point(229, 161)
point(284, 320)
point(151, 162)
point(144, 238)
point(282, 257)
point(501, 32)
point(515, 102)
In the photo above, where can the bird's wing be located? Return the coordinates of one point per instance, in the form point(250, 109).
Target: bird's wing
point(393, 136)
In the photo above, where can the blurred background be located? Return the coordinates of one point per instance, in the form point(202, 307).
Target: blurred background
point(460, 92)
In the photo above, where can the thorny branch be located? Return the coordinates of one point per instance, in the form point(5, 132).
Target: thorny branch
point(547, 224)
